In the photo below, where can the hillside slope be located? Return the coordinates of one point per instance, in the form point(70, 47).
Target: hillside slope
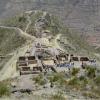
point(81, 16)
point(10, 40)
point(40, 23)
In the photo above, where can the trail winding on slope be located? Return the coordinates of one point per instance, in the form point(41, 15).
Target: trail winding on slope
point(29, 23)
point(22, 33)
point(9, 68)
point(37, 25)
point(55, 43)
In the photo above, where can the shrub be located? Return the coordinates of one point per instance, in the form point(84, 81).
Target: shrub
point(91, 72)
point(78, 83)
point(73, 81)
point(22, 19)
point(40, 80)
point(4, 90)
point(56, 77)
point(83, 81)
point(75, 71)
point(97, 80)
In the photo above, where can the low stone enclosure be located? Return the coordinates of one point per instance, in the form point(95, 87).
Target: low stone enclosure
point(31, 65)
point(2, 57)
point(28, 65)
point(70, 57)
point(49, 64)
point(44, 60)
point(70, 60)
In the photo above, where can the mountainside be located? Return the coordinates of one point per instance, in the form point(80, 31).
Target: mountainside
point(51, 52)
point(41, 24)
point(81, 16)
point(79, 36)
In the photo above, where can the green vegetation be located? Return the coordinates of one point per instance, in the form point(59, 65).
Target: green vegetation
point(10, 40)
point(78, 83)
point(57, 78)
point(40, 80)
point(91, 71)
point(75, 71)
point(90, 83)
point(54, 24)
point(51, 23)
point(97, 80)
point(4, 90)
point(87, 83)
point(34, 17)
point(74, 81)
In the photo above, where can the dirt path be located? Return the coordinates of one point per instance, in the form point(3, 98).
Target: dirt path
point(22, 33)
point(37, 25)
point(29, 23)
point(10, 68)
point(44, 14)
point(55, 43)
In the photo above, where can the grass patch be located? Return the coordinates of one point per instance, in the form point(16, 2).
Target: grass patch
point(4, 90)
point(57, 78)
point(39, 80)
point(91, 71)
point(75, 71)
